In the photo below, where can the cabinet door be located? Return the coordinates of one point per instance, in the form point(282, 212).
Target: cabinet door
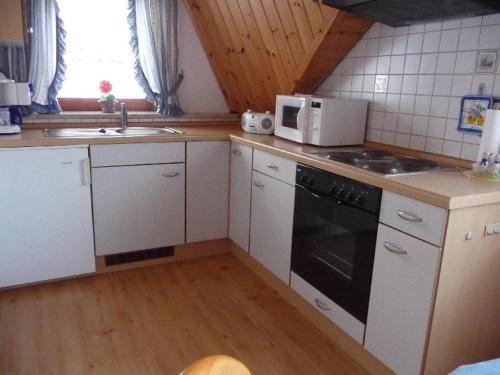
point(401, 296)
point(207, 190)
point(271, 224)
point(46, 216)
point(138, 207)
point(240, 194)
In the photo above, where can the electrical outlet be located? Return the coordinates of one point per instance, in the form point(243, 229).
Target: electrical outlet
point(381, 82)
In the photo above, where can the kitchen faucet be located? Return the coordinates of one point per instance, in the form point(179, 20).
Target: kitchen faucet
point(124, 115)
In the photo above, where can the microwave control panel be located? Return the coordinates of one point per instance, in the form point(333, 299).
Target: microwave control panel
point(315, 115)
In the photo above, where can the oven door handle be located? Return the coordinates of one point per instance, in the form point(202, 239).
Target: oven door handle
point(321, 304)
point(315, 195)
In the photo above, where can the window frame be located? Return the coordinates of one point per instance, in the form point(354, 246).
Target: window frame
point(92, 105)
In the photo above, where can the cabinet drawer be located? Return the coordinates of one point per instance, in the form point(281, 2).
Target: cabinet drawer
point(327, 307)
point(137, 153)
point(419, 219)
point(274, 166)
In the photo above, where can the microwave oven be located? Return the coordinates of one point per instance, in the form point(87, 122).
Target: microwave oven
point(321, 121)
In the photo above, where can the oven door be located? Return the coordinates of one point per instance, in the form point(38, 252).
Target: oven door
point(333, 249)
point(292, 117)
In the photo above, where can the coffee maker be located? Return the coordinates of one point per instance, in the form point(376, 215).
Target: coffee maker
point(10, 119)
point(12, 95)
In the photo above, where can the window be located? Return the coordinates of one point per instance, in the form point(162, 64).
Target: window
point(97, 48)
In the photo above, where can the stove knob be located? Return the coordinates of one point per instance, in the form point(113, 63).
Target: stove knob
point(350, 197)
point(311, 181)
point(304, 179)
point(333, 190)
point(340, 193)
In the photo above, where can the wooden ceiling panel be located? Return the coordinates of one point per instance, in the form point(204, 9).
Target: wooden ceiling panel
point(261, 48)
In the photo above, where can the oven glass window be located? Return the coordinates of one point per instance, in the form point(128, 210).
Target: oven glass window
point(290, 116)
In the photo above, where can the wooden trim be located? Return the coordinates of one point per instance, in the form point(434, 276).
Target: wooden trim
point(337, 335)
point(91, 104)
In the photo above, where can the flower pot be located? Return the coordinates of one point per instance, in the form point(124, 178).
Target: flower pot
point(107, 106)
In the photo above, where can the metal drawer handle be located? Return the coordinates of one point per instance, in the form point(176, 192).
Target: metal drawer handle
point(258, 184)
point(272, 166)
point(236, 152)
point(394, 249)
point(321, 305)
point(173, 174)
point(409, 216)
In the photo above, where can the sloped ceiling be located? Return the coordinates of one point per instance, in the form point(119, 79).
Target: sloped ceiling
point(261, 48)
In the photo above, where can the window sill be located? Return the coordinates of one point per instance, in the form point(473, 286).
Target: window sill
point(133, 117)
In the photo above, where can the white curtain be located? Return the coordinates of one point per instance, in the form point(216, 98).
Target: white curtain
point(46, 67)
point(154, 40)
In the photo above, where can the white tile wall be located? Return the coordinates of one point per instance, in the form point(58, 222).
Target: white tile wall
point(430, 67)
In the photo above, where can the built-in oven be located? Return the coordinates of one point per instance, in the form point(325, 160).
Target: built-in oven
point(334, 236)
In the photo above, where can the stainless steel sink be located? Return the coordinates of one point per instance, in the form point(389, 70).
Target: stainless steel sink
point(100, 132)
point(146, 131)
point(76, 132)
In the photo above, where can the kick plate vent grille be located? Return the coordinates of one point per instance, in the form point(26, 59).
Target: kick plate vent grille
point(137, 256)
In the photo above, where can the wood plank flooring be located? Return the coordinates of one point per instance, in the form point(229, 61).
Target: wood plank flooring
point(159, 319)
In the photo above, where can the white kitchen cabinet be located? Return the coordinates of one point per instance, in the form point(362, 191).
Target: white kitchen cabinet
point(240, 194)
point(207, 190)
point(271, 224)
point(46, 215)
point(138, 207)
point(401, 298)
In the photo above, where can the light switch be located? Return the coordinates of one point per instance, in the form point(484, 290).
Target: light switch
point(492, 229)
point(381, 82)
point(468, 236)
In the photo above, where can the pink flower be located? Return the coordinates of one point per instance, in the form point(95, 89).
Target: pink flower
point(105, 86)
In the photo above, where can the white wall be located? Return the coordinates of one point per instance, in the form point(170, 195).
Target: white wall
point(199, 91)
point(430, 67)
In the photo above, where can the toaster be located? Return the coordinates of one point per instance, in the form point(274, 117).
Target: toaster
point(258, 123)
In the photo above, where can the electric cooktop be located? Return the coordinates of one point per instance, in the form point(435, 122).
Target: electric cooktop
point(384, 162)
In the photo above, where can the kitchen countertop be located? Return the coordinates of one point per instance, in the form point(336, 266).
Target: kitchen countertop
point(447, 189)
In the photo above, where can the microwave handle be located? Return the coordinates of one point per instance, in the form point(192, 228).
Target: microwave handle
point(301, 121)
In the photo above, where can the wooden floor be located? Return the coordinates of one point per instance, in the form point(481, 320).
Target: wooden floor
point(159, 319)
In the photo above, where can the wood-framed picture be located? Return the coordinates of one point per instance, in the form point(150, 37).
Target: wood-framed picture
point(486, 61)
point(473, 113)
